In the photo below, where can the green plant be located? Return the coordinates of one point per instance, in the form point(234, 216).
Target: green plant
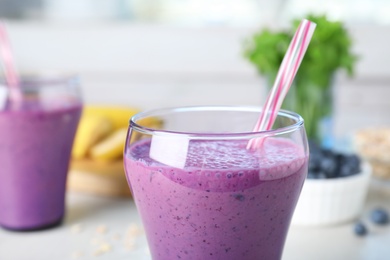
point(328, 51)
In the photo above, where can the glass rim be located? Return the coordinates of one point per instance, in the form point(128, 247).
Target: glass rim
point(42, 79)
point(299, 123)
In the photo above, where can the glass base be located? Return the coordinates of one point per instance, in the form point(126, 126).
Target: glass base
point(36, 228)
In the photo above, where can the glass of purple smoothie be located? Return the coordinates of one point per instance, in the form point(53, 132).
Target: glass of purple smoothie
point(36, 140)
point(202, 194)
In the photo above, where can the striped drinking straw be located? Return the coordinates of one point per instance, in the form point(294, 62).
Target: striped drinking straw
point(10, 72)
point(284, 79)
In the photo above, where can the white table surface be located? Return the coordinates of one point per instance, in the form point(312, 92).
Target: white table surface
point(106, 228)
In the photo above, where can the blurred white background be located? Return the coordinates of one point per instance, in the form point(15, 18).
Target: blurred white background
point(153, 53)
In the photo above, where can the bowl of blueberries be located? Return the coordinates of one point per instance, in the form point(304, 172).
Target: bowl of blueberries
point(335, 189)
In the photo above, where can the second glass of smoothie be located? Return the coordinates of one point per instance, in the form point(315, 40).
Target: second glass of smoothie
point(202, 194)
point(37, 134)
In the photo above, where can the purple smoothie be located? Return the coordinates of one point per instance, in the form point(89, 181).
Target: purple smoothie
point(35, 146)
point(227, 202)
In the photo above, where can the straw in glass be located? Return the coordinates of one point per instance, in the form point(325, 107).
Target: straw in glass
point(10, 72)
point(284, 79)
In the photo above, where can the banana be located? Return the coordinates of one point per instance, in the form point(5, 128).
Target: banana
point(110, 148)
point(119, 115)
point(91, 129)
point(98, 149)
point(102, 131)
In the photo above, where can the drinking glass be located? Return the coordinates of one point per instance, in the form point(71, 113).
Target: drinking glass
point(202, 194)
point(37, 134)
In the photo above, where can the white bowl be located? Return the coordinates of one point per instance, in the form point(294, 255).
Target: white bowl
point(332, 201)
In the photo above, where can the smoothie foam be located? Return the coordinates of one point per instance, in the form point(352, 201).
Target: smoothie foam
point(34, 156)
point(224, 197)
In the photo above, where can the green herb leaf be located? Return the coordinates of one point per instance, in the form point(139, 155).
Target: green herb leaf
point(329, 50)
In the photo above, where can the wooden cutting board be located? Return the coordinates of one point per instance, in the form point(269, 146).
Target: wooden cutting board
point(98, 178)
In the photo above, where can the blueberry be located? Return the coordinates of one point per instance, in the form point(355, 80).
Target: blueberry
point(314, 148)
point(314, 162)
point(354, 161)
point(325, 163)
point(346, 170)
point(327, 153)
point(329, 166)
point(316, 175)
point(360, 229)
point(379, 216)
point(349, 165)
point(311, 175)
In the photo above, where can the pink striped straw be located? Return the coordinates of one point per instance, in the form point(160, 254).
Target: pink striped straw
point(286, 74)
point(10, 73)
